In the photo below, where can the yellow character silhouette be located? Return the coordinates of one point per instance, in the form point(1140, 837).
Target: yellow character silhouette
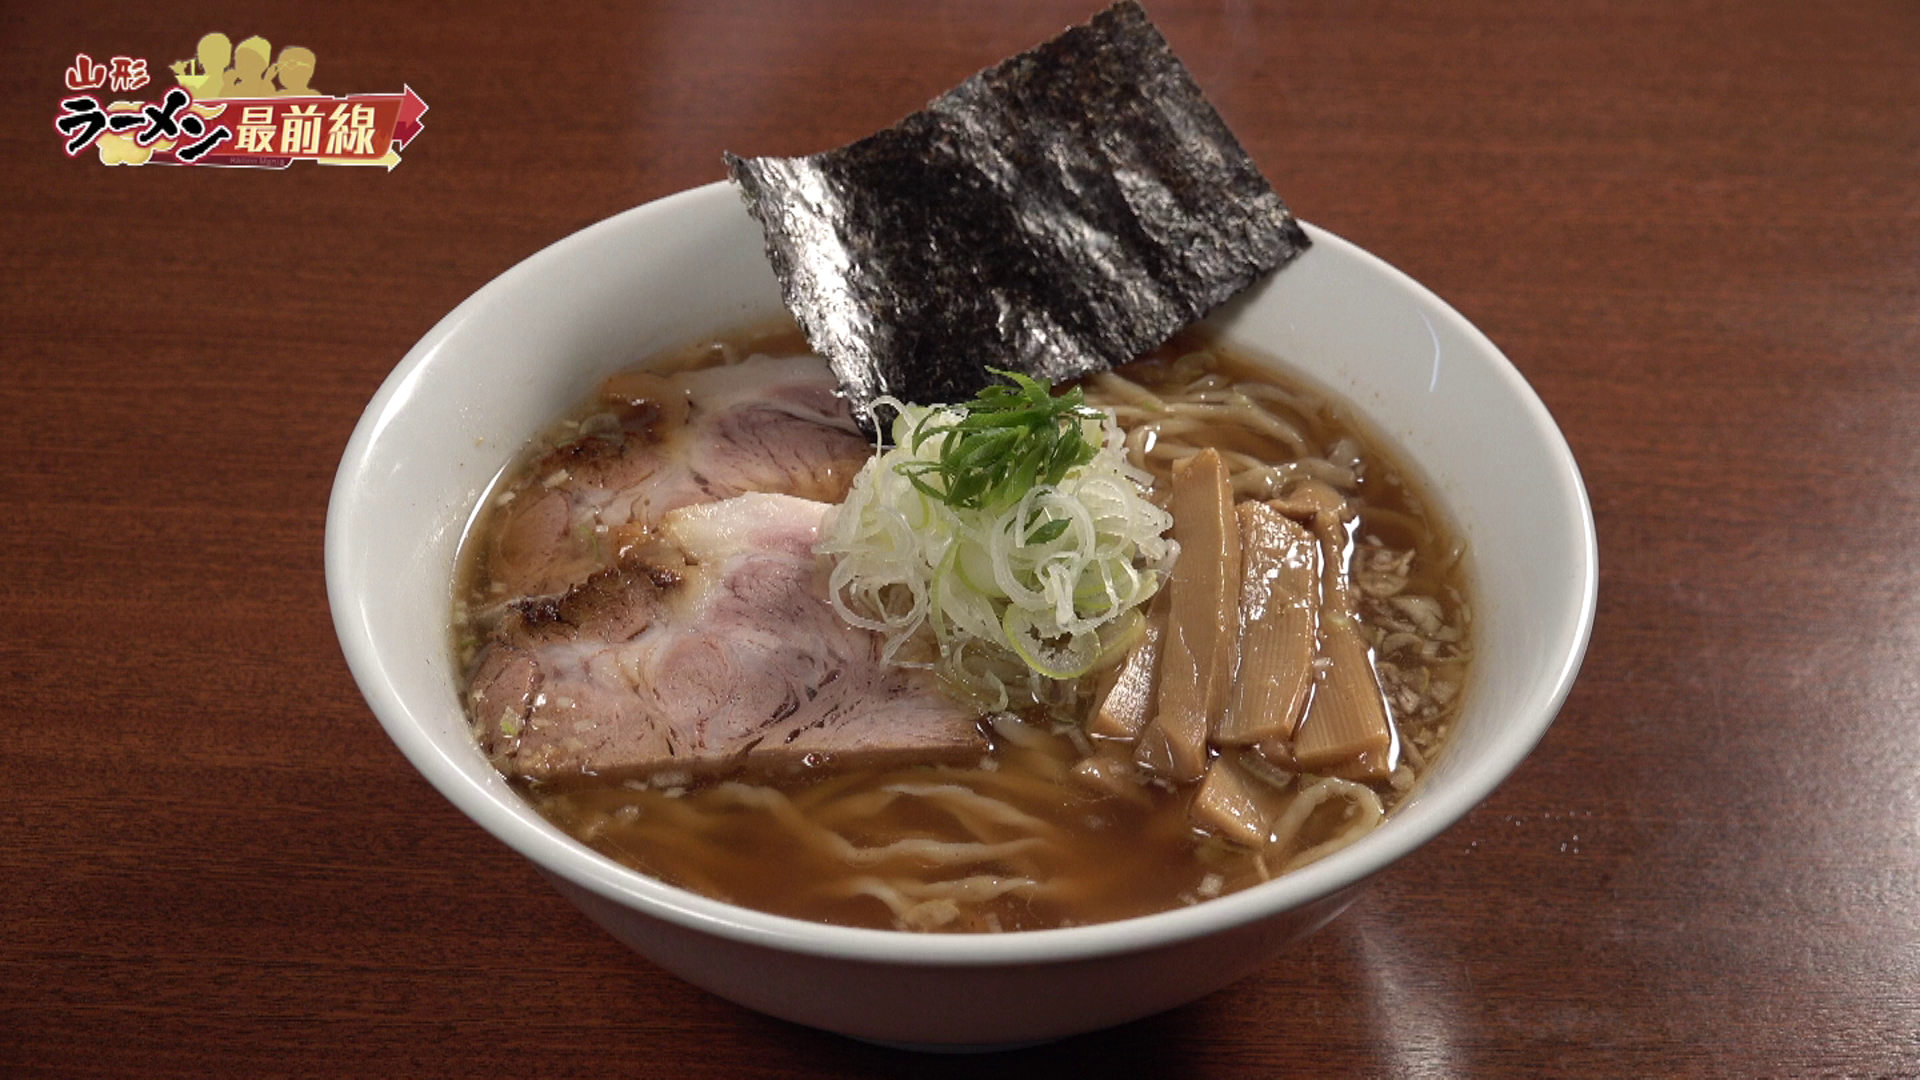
point(118, 149)
point(249, 78)
point(122, 150)
point(295, 68)
point(206, 74)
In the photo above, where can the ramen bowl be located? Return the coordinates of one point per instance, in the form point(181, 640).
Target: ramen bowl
point(503, 365)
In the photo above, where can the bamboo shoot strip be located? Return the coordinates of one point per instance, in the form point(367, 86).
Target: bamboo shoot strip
point(1126, 701)
point(1347, 720)
point(1197, 657)
point(1279, 610)
point(1226, 804)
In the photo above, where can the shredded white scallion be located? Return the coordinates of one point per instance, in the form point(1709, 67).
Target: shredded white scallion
point(1050, 610)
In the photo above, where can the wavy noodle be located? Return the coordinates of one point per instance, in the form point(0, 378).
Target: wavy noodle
point(965, 803)
point(930, 905)
point(1165, 429)
point(935, 852)
point(847, 809)
point(1125, 390)
point(1365, 814)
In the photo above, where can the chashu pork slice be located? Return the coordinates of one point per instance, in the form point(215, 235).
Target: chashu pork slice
point(766, 424)
point(733, 658)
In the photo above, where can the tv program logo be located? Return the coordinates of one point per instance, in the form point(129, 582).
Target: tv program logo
point(230, 105)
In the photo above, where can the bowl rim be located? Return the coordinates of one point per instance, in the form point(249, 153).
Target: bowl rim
point(554, 853)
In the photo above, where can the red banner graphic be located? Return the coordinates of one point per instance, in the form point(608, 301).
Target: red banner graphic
point(359, 129)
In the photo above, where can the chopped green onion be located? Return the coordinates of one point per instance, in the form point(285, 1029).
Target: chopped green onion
point(1003, 443)
point(1011, 527)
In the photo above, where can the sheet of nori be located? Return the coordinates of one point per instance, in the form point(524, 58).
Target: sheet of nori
point(1057, 214)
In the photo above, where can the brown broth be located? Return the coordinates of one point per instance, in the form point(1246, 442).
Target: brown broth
point(1115, 858)
point(1099, 856)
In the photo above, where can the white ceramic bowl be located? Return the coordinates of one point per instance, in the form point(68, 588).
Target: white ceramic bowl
point(533, 342)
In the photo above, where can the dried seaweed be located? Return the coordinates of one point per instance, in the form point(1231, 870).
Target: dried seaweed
point(1057, 214)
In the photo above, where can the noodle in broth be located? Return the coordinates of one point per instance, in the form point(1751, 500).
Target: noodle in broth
point(1049, 830)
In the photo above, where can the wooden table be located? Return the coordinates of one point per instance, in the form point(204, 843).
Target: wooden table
point(1694, 227)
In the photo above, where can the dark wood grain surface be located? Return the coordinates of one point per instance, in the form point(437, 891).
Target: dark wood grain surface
point(1694, 226)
